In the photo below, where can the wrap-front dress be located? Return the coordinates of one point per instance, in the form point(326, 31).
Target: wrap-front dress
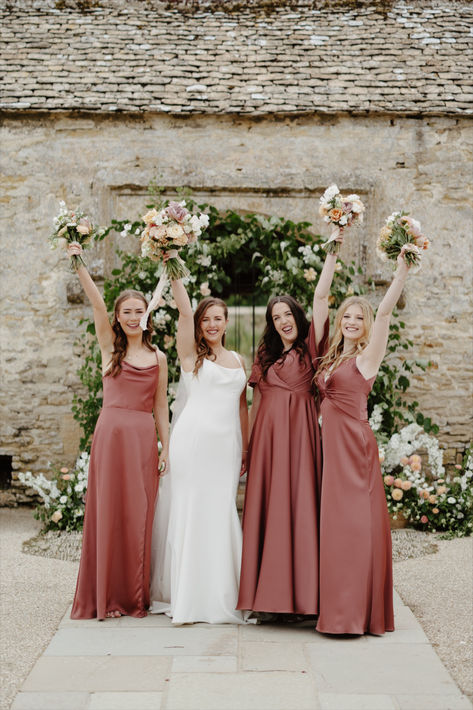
point(279, 571)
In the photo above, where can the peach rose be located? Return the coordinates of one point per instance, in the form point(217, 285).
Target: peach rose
point(381, 457)
point(415, 458)
point(84, 226)
point(397, 494)
point(457, 465)
point(389, 480)
point(404, 461)
point(416, 466)
point(204, 289)
point(64, 469)
point(310, 274)
point(441, 490)
point(425, 495)
point(432, 499)
point(149, 216)
point(56, 516)
point(435, 510)
point(335, 214)
point(398, 482)
point(66, 477)
point(406, 485)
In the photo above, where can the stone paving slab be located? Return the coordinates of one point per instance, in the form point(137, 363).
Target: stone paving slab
point(149, 664)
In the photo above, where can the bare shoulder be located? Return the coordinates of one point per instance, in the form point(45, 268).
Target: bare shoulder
point(161, 357)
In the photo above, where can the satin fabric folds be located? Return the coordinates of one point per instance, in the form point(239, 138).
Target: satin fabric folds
point(123, 479)
point(280, 521)
point(355, 539)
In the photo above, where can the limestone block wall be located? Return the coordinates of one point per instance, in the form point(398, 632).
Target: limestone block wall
point(274, 165)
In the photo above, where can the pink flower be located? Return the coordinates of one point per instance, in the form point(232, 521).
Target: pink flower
point(84, 226)
point(406, 485)
point(64, 470)
point(398, 482)
point(66, 477)
point(457, 465)
point(424, 519)
point(176, 211)
point(389, 480)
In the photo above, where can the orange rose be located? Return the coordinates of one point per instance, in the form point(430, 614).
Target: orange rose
point(335, 214)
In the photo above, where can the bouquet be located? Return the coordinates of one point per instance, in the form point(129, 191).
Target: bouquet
point(402, 233)
point(339, 211)
point(72, 227)
point(168, 231)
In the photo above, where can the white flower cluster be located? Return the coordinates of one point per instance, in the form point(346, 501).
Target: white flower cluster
point(376, 418)
point(309, 254)
point(45, 488)
point(408, 440)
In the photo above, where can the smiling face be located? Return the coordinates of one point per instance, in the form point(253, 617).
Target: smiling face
point(353, 322)
point(284, 323)
point(129, 314)
point(213, 325)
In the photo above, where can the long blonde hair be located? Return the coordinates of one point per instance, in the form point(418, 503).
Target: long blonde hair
point(335, 356)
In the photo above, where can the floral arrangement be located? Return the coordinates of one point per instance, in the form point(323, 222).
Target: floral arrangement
point(167, 231)
point(62, 496)
point(402, 233)
point(72, 227)
point(339, 211)
point(420, 491)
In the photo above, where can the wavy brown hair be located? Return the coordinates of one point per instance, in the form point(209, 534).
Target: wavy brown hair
point(203, 349)
point(334, 356)
point(120, 342)
point(271, 346)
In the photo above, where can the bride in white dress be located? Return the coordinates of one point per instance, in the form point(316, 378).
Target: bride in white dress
point(197, 536)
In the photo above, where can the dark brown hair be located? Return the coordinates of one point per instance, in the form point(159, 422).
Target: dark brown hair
point(120, 342)
point(271, 346)
point(202, 347)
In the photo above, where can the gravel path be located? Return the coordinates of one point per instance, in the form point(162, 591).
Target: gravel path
point(432, 576)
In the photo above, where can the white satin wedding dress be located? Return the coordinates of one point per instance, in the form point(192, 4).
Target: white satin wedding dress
point(197, 540)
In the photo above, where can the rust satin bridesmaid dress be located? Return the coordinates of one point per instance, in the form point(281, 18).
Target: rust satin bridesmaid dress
point(123, 479)
point(356, 588)
point(279, 571)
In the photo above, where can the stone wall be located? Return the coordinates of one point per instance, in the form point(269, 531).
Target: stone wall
point(273, 165)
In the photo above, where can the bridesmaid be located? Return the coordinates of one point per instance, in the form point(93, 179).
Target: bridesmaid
point(123, 472)
point(279, 572)
point(355, 537)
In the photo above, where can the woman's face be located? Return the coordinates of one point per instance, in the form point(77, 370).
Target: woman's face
point(353, 323)
point(213, 325)
point(129, 314)
point(285, 324)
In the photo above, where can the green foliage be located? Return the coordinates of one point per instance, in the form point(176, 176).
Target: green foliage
point(251, 255)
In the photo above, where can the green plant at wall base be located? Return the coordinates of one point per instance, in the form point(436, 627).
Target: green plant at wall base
point(256, 257)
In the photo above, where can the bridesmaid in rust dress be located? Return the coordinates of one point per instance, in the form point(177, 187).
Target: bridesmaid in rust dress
point(279, 570)
point(124, 469)
point(355, 536)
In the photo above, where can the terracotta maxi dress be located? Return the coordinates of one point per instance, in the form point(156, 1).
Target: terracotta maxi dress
point(279, 571)
point(123, 479)
point(355, 538)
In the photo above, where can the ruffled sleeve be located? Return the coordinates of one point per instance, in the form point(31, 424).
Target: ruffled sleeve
point(316, 352)
point(255, 374)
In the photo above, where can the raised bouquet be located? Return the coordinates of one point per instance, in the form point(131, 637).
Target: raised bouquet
point(167, 231)
point(339, 211)
point(72, 227)
point(402, 233)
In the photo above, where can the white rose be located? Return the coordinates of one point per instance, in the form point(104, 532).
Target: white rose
point(63, 499)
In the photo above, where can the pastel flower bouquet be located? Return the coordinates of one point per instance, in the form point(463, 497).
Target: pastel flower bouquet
point(72, 226)
point(402, 234)
point(166, 232)
point(339, 211)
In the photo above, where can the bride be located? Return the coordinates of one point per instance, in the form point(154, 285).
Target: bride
point(197, 553)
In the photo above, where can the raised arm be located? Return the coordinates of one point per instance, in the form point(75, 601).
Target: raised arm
point(322, 292)
point(185, 338)
point(103, 328)
point(370, 359)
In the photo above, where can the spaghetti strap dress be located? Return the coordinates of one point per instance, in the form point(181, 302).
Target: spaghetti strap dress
point(356, 588)
point(280, 559)
point(114, 568)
